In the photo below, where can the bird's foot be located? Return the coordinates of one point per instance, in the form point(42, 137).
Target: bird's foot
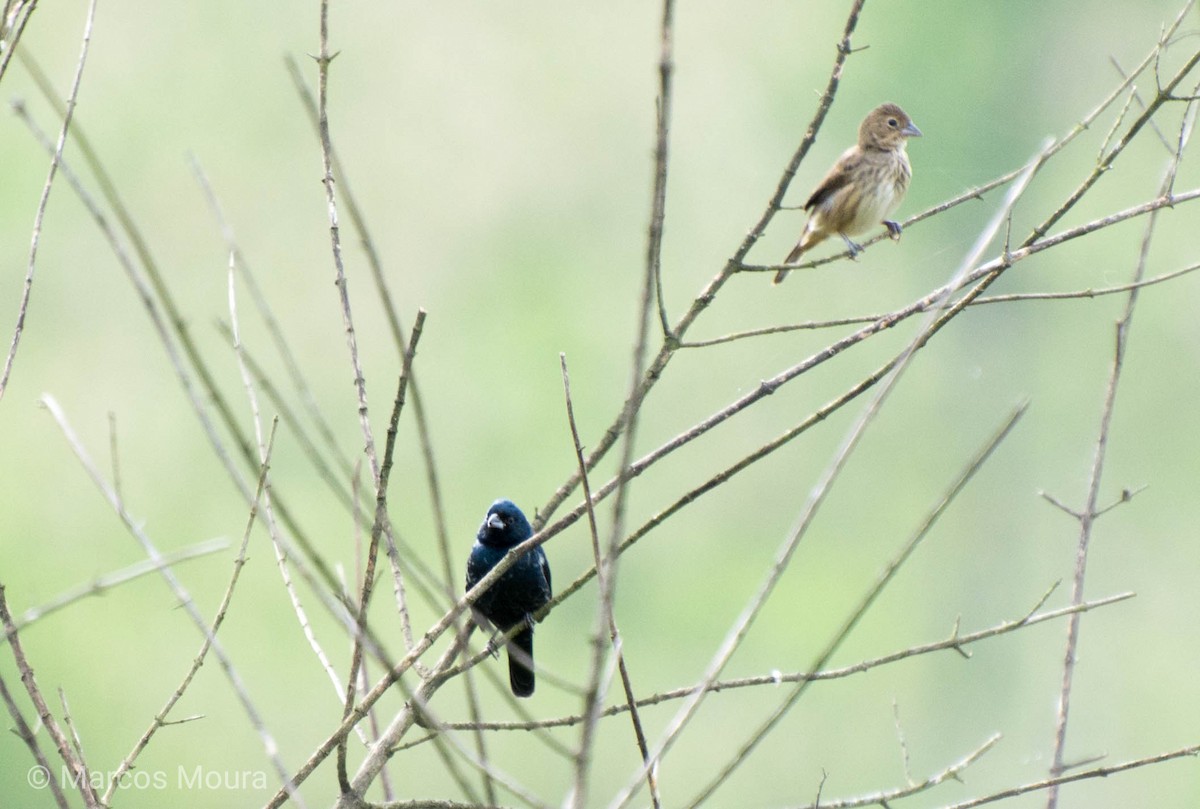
point(528, 620)
point(853, 247)
point(894, 229)
point(492, 647)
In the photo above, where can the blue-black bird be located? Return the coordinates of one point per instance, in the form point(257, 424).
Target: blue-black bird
point(515, 596)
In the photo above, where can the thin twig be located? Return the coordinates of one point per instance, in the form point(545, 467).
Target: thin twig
point(904, 757)
point(76, 741)
point(883, 797)
point(323, 60)
point(1116, 125)
point(35, 237)
point(1077, 294)
point(662, 141)
point(633, 402)
point(265, 495)
point(481, 750)
point(607, 618)
point(1138, 98)
point(430, 804)
point(378, 529)
point(102, 584)
point(1098, 772)
point(114, 456)
point(79, 773)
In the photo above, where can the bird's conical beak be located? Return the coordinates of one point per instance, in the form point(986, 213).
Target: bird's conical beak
point(494, 521)
point(911, 130)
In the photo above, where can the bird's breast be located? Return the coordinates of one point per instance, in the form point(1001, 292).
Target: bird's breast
point(877, 192)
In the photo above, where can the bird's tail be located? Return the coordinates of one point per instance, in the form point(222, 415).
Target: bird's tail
point(520, 663)
point(793, 257)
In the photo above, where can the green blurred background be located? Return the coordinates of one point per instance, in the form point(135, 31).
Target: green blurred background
point(502, 153)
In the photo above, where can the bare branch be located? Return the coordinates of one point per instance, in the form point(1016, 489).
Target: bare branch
point(955, 642)
point(160, 719)
point(1089, 513)
point(102, 584)
point(882, 797)
point(1098, 772)
point(170, 325)
point(656, 367)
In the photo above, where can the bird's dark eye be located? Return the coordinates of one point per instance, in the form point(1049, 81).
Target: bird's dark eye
point(892, 123)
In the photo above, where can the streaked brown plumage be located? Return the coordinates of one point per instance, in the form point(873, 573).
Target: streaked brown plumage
point(864, 186)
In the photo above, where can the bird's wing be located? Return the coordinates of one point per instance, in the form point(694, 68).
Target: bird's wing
point(837, 178)
point(546, 572)
point(476, 570)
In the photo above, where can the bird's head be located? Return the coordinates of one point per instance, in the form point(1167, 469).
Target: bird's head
point(886, 128)
point(504, 526)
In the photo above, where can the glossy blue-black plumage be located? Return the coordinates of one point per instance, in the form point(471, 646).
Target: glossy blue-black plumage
point(515, 596)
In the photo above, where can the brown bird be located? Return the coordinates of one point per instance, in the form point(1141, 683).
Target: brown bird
point(864, 186)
